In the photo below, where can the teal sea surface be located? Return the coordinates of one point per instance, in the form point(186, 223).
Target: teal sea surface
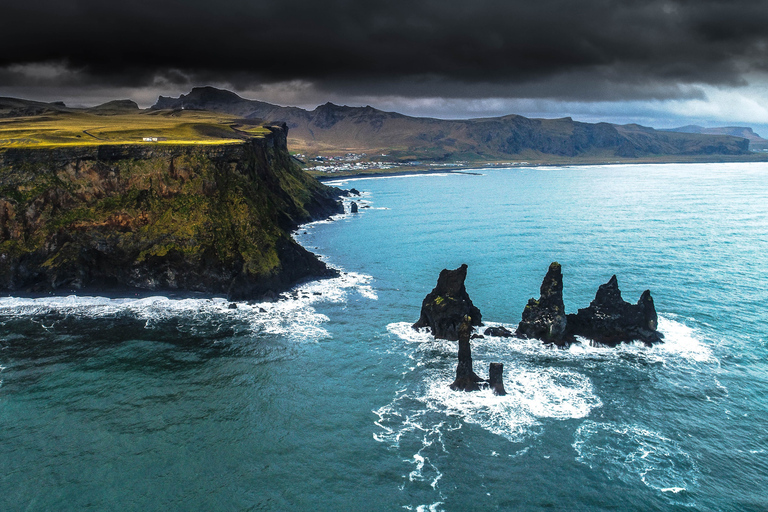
point(328, 400)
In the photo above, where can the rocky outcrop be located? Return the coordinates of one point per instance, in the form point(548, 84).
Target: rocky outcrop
point(495, 379)
point(466, 378)
point(610, 320)
point(207, 218)
point(353, 207)
point(500, 332)
point(444, 309)
point(545, 318)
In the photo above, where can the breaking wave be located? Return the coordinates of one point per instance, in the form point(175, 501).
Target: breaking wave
point(293, 315)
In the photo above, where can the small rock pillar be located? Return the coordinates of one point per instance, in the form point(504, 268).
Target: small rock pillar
point(466, 378)
point(495, 379)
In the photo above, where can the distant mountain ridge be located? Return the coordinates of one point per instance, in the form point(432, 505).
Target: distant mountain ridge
point(332, 127)
point(737, 131)
point(756, 142)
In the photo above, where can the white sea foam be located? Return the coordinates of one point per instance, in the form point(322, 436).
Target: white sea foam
point(532, 393)
point(633, 452)
point(681, 343)
point(424, 408)
point(674, 489)
point(293, 315)
point(342, 182)
point(433, 507)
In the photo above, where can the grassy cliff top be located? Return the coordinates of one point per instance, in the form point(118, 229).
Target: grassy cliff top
point(73, 128)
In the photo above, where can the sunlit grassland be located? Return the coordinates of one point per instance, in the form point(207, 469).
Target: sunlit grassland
point(88, 129)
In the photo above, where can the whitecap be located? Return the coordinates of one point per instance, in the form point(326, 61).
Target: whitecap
point(681, 343)
point(293, 315)
point(433, 507)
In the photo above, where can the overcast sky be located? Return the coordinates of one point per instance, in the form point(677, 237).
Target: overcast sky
point(658, 63)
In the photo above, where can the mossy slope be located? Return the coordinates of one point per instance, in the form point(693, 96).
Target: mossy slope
point(214, 219)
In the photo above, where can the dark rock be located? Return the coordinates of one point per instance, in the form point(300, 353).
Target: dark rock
point(477, 337)
point(353, 207)
point(444, 308)
point(545, 318)
point(262, 310)
point(466, 378)
point(121, 240)
point(270, 296)
point(495, 379)
point(354, 192)
point(232, 305)
point(610, 320)
point(316, 293)
point(501, 332)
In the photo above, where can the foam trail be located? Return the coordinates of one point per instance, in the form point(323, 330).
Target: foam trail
point(293, 315)
point(532, 393)
point(633, 452)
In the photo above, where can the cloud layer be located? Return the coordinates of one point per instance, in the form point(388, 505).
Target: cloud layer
point(588, 50)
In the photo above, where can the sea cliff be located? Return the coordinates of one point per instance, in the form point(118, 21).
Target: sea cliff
point(212, 218)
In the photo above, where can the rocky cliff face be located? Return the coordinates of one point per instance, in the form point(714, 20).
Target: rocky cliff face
point(448, 306)
point(208, 218)
point(545, 318)
point(610, 320)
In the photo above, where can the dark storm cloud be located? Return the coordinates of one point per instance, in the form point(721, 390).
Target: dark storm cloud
point(546, 48)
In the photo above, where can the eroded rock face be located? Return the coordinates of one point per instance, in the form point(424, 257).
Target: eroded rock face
point(466, 378)
point(495, 379)
point(444, 308)
point(117, 218)
point(545, 318)
point(610, 320)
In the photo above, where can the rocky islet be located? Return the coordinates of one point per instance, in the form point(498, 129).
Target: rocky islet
point(609, 320)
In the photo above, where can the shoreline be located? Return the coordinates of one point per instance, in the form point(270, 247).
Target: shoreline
point(489, 166)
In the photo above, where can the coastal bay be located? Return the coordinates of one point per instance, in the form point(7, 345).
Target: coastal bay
point(328, 399)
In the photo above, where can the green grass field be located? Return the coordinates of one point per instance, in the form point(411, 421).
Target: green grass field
point(89, 129)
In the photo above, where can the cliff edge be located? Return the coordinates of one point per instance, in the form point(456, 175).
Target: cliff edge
point(213, 218)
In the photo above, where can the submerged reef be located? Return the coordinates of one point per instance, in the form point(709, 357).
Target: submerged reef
point(212, 218)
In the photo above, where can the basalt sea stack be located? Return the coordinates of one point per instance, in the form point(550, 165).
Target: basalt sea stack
point(610, 320)
point(466, 378)
point(545, 318)
point(495, 380)
point(446, 306)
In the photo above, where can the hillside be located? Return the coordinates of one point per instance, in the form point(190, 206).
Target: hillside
point(756, 142)
point(185, 216)
point(27, 124)
point(331, 128)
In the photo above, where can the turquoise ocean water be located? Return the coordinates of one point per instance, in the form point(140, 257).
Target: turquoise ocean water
point(327, 400)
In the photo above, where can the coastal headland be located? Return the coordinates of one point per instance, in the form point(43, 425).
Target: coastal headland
point(200, 193)
point(207, 204)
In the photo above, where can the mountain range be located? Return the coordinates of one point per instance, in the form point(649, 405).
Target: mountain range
point(330, 129)
point(376, 135)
